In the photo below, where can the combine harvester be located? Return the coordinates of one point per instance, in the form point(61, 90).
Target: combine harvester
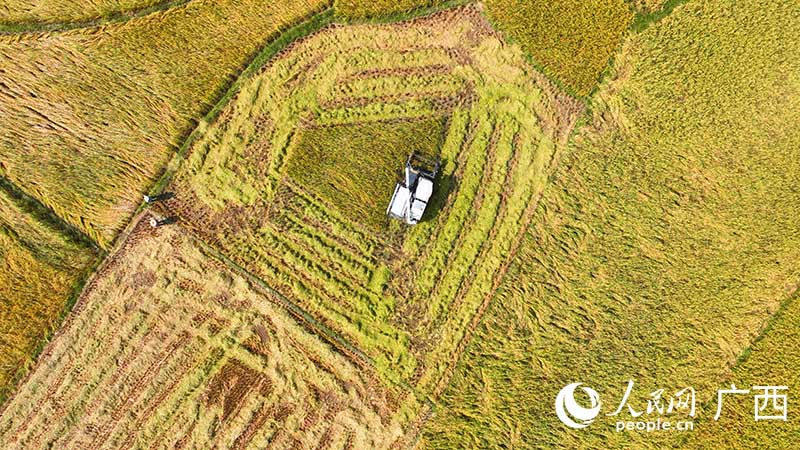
point(411, 195)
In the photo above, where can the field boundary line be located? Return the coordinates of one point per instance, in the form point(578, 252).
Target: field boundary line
point(641, 21)
point(793, 295)
point(22, 28)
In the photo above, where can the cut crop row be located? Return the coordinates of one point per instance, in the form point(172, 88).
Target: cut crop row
point(198, 338)
point(301, 206)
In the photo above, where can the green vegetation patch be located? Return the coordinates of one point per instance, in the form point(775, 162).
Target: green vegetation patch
point(355, 167)
point(573, 40)
point(664, 242)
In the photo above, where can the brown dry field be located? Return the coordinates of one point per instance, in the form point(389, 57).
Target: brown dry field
point(169, 348)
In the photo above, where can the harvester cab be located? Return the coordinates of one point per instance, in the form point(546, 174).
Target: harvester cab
point(412, 194)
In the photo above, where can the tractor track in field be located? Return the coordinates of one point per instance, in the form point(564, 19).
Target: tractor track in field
point(498, 279)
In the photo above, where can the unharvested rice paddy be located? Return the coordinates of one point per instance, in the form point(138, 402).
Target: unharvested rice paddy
point(363, 9)
point(573, 40)
point(772, 361)
point(169, 347)
point(664, 242)
point(91, 116)
point(406, 298)
point(61, 11)
point(354, 177)
point(40, 264)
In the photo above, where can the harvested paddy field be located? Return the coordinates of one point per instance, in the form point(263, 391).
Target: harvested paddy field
point(169, 348)
point(40, 266)
point(91, 116)
point(406, 297)
point(572, 40)
point(665, 241)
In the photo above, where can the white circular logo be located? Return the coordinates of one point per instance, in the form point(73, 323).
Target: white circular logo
point(571, 413)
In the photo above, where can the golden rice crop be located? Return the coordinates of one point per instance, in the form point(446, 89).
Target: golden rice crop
point(772, 361)
point(361, 9)
point(572, 40)
point(59, 11)
point(40, 265)
point(92, 115)
point(664, 242)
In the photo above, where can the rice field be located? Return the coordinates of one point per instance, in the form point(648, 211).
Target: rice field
point(91, 116)
point(19, 12)
point(572, 40)
point(169, 347)
point(664, 242)
point(772, 361)
point(361, 9)
point(354, 178)
point(406, 298)
point(40, 265)
point(655, 241)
